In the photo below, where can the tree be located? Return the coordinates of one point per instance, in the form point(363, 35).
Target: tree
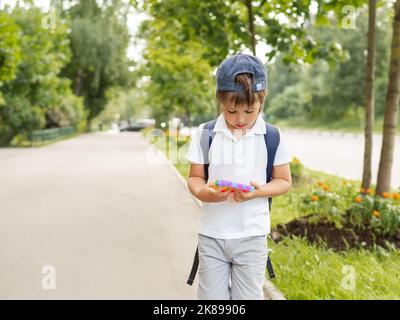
point(178, 79)
point(391, 107)
point(226, 26)
point(10, 53)
point(369, 97)
point(222, 27)
point(37, 97)
point(336, 93)
point(99, 40)
point(181, 81)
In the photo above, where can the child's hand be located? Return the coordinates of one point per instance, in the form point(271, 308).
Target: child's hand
point(210, 194)
point(240, 196)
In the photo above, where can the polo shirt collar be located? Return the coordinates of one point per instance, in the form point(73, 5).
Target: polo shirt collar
point(258, 127)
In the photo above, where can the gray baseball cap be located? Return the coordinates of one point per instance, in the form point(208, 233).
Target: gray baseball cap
point(241, 63)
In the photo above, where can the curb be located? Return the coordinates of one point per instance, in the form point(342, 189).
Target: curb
point(270, 290)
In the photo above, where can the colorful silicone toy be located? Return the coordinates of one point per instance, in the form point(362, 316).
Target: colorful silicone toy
point(229, 185)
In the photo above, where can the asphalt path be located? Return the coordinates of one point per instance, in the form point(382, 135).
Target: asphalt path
point(92, 218)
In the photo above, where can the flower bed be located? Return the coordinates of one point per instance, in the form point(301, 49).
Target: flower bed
point(344, 217)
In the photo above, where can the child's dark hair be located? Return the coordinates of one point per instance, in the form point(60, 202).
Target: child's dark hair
point(247, 98)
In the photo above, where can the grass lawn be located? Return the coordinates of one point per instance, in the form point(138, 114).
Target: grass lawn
point(22, 142)
point(306, 271)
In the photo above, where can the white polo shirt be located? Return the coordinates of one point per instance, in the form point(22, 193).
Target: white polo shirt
point(240, 161)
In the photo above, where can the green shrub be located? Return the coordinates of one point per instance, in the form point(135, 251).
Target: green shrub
point(382, 215)
point(296, 169)
point(327, 201)
point(332, 202)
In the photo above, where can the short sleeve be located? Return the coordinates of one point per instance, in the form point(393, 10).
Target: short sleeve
point(195, 152)
point(282, 155)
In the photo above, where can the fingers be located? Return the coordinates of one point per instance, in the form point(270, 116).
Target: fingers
point(241, 196)
point(223, 193)
point(218, 194)
point(238, 196)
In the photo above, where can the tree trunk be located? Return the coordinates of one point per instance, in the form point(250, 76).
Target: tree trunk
point(88, 125)
point(188, 116)
point(251, 26)
point(369, 97)
point(78, 83)
point(391, 106)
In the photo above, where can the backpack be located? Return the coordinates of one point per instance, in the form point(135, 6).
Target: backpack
point(271, 138)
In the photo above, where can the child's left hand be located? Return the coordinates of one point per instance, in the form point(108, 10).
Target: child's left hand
point(240, 196)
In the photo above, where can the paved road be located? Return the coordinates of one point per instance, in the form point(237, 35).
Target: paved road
point(112, 225)
point(339, 154)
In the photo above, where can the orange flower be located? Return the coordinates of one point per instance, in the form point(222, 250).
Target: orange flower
point(385, 195)
point(314, 198)
point(369, 191)
point(326, 188)
point(358, 199)
point(396, 196)
point(376, 213)
point(319, 183)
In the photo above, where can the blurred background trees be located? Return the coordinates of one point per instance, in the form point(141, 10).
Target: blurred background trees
point(58, 75)
point(98, 41)
point(34, 95)
point(62, 75)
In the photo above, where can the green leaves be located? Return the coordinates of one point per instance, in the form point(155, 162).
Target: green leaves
point(33, 94)
point(211, 30)
point(10, 53)
point(99, 40)
point(381, 215)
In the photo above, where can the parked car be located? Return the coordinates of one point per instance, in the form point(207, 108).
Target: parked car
point(136, 125)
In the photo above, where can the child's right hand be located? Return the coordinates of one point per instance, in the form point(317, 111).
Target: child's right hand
point(209, 194)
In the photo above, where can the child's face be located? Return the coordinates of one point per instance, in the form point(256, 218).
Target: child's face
point(241, 117)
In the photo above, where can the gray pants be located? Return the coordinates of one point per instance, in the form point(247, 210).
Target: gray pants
point(232, 269)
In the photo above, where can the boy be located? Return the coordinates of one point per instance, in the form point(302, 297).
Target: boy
point(234, 226)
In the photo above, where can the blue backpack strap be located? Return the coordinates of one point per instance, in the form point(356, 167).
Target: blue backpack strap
point(272, 139)
point(207, 135)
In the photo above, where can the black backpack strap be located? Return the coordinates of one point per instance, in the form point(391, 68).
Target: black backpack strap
point(194, 268)
point(270, 269)
point(272, 139)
